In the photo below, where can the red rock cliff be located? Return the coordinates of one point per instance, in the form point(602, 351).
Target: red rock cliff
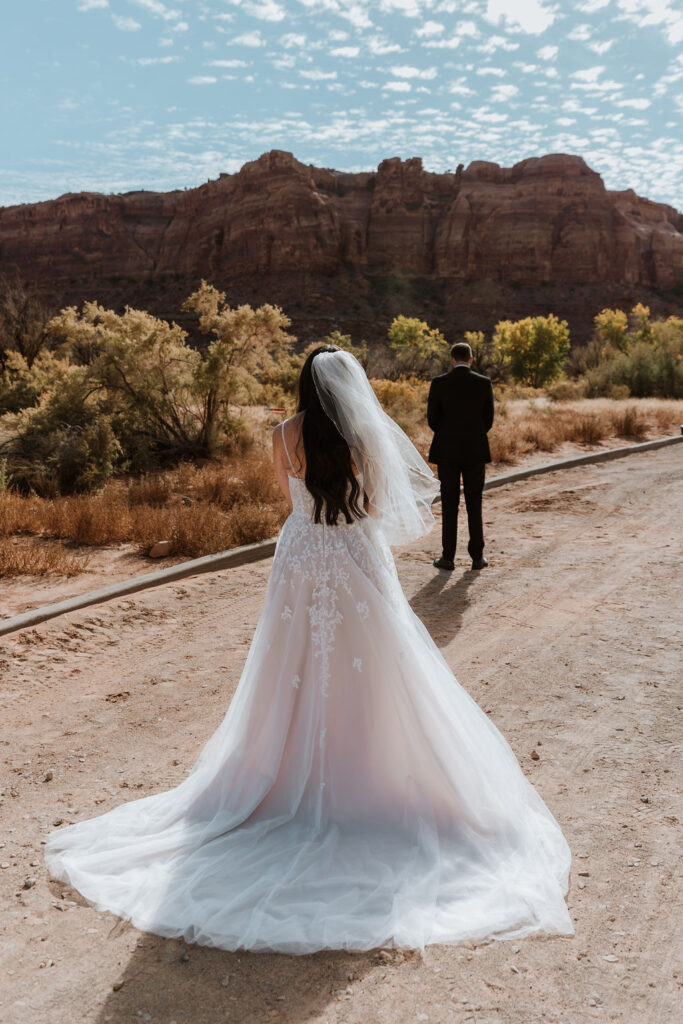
point(352, 250)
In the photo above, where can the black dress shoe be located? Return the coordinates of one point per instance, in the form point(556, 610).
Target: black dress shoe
point(443, 563)
point(480, 563)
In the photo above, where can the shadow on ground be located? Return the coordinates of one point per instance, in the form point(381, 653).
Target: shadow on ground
point(442, 601)
point(168, 980)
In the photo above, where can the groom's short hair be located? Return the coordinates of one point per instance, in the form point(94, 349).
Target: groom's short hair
point(461, 352)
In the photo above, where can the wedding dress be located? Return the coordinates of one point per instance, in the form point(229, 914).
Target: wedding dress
point(354, 795)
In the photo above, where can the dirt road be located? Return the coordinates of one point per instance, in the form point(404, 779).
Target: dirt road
point(568, 640)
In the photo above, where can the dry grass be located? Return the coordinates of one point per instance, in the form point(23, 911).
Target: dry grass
point(199, 509)
point(523, 427)
point(202, 509)
point(32, 556)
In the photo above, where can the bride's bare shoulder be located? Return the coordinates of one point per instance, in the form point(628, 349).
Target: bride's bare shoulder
point(291, 427)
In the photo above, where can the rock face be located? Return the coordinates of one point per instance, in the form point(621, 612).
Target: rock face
point(350, 251)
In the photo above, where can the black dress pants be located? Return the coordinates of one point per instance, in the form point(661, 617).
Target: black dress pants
point(473, 485)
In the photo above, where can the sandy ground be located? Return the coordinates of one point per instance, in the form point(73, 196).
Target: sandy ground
point(568, 640)
point(108, 565)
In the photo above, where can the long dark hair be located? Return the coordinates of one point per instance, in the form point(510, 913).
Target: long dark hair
point(329, 473)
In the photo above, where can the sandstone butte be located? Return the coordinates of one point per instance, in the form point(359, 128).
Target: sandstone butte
point(352, 250)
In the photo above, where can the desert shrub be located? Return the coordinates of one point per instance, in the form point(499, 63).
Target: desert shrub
point(280, 383)
point(34, 557)
point(484, 358)
point(65, 443)
point(589, 429)
point(5, 476)
point(629, 422)
point(199, 509)
point(648, 369)
point(567, 390)
point(142, 398)
point(533, 350)
point(610, 328)
point(419, 349)
point(405, 400)
point(24, 315)
point(21, 384)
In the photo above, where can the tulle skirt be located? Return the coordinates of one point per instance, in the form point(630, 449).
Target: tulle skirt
point(354, 795)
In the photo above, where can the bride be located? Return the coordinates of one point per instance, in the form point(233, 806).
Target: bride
point(354, 795)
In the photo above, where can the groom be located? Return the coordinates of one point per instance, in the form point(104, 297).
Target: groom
point(460, 412)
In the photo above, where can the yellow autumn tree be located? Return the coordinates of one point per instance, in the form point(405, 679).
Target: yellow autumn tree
point(533, 350)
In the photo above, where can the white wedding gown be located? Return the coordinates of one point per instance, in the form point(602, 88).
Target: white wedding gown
point(354, 795)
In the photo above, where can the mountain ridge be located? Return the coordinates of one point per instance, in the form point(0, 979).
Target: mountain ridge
point(344, 250)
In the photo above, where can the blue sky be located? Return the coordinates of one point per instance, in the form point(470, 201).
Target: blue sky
point(112, 95)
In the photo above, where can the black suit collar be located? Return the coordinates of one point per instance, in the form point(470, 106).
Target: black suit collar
point(463, 366)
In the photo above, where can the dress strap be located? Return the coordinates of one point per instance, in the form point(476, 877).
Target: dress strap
point(289, 458)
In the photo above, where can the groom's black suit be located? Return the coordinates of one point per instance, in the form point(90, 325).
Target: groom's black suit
point(460, 412)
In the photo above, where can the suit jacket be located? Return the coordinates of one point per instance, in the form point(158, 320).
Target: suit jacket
point(460, 412)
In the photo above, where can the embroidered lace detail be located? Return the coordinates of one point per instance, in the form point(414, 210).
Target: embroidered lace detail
point(324, 557)
point(295, 682)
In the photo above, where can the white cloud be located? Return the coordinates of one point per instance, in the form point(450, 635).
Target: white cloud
point(494, 43)
point(602, 47)
point(378, 47)
point(93, 5)
point(252, 39)
point(318, 76)
point(292, 39)
point(488, 116)
point(407, 71)
point(608, 85)
point(636, 104)
point(591, 6)
point(228, 64)
point(430, 28)
point(451, 43)
point(547, 52)
point(409, 8)
point(532, 16)
point(460, 88)
point(565, 121)
point(501, 93)
point(498, 72)
point(158, 9)
point(345, 51)
point(580, 33)
point(265, 10)
point(588, 74)
point(666, 14)
point(126, 24)
point(397, 86)
point(202, 80)
point(149, 61)
point(356, 14)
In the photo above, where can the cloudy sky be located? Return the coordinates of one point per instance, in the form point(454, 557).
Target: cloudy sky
point(112, 95)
